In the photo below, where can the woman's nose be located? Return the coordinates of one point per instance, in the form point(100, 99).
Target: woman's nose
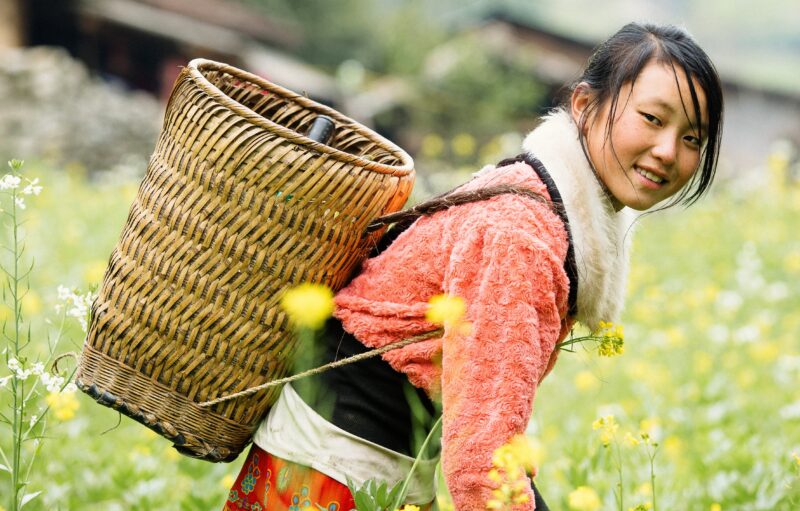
point(665, 149)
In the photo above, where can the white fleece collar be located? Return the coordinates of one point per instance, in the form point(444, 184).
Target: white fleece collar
point(601, 236)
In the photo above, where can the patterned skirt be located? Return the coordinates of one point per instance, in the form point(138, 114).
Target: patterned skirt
point(269, 483)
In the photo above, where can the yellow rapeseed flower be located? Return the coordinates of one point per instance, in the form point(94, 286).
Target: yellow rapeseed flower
point(31, 303)
point(715, 507)
point(63, 404)
point(446, 310)
point(463, 144)
point(611, 339)
point(585, 381)
point(607, 426)
point(432, 145)
point(308, 305)
point(409, 507)
point(94, 271)
point(583, 498)
point(631, 440)
point(791, 262)
point(227, 481)
point(511, 463)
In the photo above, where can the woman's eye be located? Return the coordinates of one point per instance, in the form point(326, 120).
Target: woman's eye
point(652, 118)
point(694, 141)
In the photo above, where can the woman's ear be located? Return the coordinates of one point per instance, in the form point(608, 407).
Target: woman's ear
point(579, 102)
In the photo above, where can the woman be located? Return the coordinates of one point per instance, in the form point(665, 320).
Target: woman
point(640, 128)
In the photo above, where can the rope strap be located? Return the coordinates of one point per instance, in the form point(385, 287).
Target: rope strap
point(331, 365)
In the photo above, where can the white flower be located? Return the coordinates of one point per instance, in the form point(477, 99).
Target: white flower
point(33, 187)
point(53, 382)
point(64, 293)
point(4, 381)
point(33, 420)
point(70, 388)
point(20, 202)
point(9, 181)
point(13, 364)
point(22, 375)
point(37, 369)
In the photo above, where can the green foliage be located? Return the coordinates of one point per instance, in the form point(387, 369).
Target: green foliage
point(469, 89)
point(711, 364)
point(375, 496)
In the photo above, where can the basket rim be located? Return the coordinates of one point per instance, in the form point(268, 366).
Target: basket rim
point(196, 66)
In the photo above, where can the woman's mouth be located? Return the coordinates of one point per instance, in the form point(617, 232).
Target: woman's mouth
point(649, 176)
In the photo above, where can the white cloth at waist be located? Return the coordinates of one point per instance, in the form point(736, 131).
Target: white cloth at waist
point(295, 432)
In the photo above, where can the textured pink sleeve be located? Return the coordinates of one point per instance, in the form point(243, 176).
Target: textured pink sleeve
point(514, 285)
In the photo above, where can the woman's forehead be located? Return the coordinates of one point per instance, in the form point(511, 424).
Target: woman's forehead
point(667, 87)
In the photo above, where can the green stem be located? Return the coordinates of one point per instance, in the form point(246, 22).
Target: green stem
point(19, 392)
point(576, 340)
point(619, 470)
point(403, 489)
point(653, 479)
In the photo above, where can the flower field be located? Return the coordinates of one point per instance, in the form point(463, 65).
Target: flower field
point(701, 410)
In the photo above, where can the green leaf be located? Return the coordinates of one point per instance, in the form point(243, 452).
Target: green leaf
point(395, 492)
point(28, 497)
point(364, 501)
point(381, 496)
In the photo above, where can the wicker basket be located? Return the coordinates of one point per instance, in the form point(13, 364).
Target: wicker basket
point(235, 207)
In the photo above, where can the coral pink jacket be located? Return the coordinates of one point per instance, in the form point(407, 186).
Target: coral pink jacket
point(505, 258)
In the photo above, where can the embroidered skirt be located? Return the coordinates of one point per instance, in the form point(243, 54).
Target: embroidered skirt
point(269, 483)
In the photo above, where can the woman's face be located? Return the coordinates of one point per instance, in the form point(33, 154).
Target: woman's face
point(654, 147)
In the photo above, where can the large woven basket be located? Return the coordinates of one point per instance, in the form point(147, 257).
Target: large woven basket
point(236, 206)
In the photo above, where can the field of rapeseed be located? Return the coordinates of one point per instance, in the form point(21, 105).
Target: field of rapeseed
point(701, 410)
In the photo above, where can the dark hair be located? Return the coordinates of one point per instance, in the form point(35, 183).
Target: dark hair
point(621, 58)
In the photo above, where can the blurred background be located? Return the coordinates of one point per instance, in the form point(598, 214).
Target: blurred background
point(456, 83)
point(712, 360)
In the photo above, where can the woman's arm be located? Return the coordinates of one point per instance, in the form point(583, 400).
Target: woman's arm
point(515, 288)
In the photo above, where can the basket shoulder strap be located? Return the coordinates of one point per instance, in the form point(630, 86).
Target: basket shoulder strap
point(402, 220)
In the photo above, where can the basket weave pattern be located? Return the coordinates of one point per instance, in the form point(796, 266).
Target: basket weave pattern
point(236, 205)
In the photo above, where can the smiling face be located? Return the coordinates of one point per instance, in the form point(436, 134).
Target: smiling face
point(654, 146)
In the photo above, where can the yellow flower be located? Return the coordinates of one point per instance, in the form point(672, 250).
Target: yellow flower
point(631, 440)
point(608, 427)
point(585, 381)
point(444, 502)
point(409, 507)
point(792, 262)
point(432, 145)
point(308, 305)
point(445, 310)
point(611, 339)
point(171, 454)
point(94, 271)
point(583, 498)
point(715, 507)
point(796, 458)
point(31, 303)
point(227, 481)
point(63, 404)
point(463, 144)
point(511, 463)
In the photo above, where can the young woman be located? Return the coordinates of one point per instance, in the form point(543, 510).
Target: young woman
point(641, 128)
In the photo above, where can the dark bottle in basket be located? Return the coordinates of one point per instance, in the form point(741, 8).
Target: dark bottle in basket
point(321, 129)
